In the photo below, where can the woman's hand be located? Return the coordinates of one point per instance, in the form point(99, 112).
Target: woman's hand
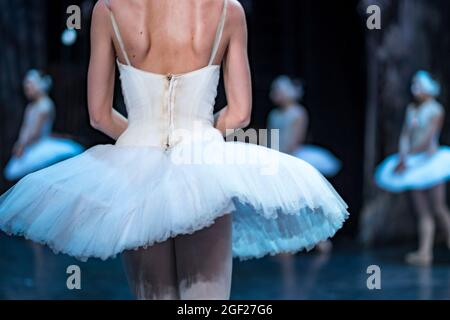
point(31, 133)
point(427, 139)
point(401, 167)
point(18, 150)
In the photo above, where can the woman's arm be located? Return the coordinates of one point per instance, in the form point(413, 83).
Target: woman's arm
point(237, 77)
point(30, 135)
point(23, 132)
point(101, 76)
point(404, 143)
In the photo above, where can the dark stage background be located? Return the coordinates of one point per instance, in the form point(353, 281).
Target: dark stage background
point(320, 42)
point(357, 88)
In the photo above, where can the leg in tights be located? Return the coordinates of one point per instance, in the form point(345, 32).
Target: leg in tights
point(438, 198)
point(426, 225)
point(151, 272)
point(288, 274)
point(204, 262)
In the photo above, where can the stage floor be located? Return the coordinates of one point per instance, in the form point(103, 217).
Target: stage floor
point(33, 272)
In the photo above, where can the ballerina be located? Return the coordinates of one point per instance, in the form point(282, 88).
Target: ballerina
point(36, 148)
point(177, 223)
point(422, 166)
point(291, 119)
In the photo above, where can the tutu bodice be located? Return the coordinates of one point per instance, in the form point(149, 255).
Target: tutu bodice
point(32, 114)
point(163, 110)
point(418, 121)
point(284, 120)
point(166, 110)
point(320, 158)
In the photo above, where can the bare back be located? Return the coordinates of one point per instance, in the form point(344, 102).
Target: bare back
point(169, 36)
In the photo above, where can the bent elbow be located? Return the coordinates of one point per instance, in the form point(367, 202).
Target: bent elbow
point(96, 121)
point(241, 116)
point(245, 121)
point(94, 124)
point(244, 117)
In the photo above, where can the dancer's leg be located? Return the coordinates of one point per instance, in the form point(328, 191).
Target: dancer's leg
point(438, 199)
point(324, 247)
point(151, 272)
point(204, 262)
point(426, 224)
point(288, 274)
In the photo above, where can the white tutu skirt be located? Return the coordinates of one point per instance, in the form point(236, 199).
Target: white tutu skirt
point(320, 158)
point(114, 198)
point(39, 155)
point(423, 171)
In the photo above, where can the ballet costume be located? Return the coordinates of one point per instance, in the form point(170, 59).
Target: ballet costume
point(320, 158)
point(423, 170)
point(46, 150)
point(172, 173)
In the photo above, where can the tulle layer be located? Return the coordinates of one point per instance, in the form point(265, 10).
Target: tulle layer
point(320, 158)
point(45, 152)
point(423, 171)
point(110, 199)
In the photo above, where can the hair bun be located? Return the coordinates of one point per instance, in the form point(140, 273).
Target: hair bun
point(423, 83)
point(292, 88)
point(41, 81)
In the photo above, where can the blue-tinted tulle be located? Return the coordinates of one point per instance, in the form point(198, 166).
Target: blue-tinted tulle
point(320, 158)
point(423, 171)
point(110, 199)
point(41, 154)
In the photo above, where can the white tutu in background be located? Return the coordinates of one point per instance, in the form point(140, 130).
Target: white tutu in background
point(320, 158)
point(41, 154)
point(423, 171)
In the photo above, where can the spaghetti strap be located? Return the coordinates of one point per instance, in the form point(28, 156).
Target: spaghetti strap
point(117, 33)
point(219, 33)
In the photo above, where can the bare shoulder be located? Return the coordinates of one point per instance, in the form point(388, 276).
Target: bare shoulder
point(101, 12)
point(101, 22)
point(436, 108)
point(236, 14)
point(299, 110)
point(410, 108)
point(46, 105)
